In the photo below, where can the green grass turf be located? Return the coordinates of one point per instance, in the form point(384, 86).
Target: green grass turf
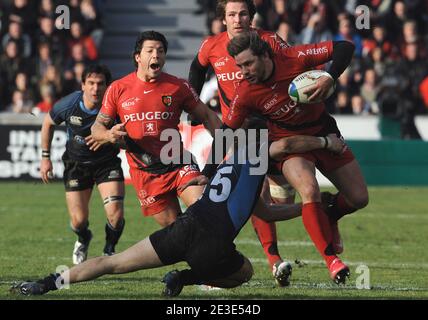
point(389, 236)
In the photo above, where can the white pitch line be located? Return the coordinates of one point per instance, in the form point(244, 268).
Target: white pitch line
point(393, 215)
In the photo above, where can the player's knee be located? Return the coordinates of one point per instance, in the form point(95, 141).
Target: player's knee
point(165, 219)
point(310, 192)
point(361, 201)
point(78, 222)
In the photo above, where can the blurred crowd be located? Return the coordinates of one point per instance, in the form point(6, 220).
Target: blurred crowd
point(389, 72)
point(41, 59)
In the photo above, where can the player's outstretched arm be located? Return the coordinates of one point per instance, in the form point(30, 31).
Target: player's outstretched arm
point(277, 212)
point(46, 140)
point(301, 144)
point(208, 117)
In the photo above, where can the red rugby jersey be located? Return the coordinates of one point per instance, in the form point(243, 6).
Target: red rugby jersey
point(270, 98)
point(149, 108)
point(213, 51)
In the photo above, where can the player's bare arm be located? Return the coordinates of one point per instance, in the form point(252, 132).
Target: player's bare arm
point(208, 117)
point(103, 131)
point(46, 137)
point(301, 144)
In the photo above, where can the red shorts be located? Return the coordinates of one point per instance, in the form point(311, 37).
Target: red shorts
point(156, 192)
point(324, 160)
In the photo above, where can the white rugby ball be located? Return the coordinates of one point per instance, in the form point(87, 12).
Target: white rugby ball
point(305, 80)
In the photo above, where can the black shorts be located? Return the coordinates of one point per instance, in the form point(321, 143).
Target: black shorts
point(78, 176)
point(209, 255)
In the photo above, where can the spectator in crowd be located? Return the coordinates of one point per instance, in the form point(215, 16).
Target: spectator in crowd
point(53, 77)
point(24, 12)
point(369, 91)
point(343, 103)
point(10, 64)
point(358, 106)
point(92, 22)
point(378, 39)
point(77, 37)
point(43, 60)
point(395, 19)
point(47, 9)
point(22, 84)
point(285, 31)
point(316, 29)
point(410, 35)
point(19, 104)
point(23, 40)
point(47, 34)
point(347, 32)
point(47, 94)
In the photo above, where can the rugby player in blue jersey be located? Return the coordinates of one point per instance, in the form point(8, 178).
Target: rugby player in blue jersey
point(86, 162)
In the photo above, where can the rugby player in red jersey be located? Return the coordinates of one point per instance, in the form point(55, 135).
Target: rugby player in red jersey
point(148, 101)
point(237, 16)
point(265, 91)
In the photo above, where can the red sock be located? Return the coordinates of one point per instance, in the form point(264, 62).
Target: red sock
point(266, 232)
point(318, 227)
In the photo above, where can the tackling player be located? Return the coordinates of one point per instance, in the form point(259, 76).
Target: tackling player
point(202, 236)
point(86, 162)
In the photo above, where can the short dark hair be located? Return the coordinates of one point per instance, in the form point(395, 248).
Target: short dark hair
point(221, 7)
point(249, 40)
point(148, 35)
point(97, 69)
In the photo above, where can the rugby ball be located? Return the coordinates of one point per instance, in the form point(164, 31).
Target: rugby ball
point(302, 82)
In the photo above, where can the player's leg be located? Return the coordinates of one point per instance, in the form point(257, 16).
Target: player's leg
point(168, 213)
point(78, 185)
point(112, 194)
point(244, 274)
point(281, 191)
point(300, 172)
point(191, 194)
point(140, 256)
point(266, 233)
point(353, 194)
point(78, 209)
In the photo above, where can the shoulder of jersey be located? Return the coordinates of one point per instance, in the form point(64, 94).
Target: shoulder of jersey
point(212, 41)
point(125, 81)
point(70, 99)
point(272, 36)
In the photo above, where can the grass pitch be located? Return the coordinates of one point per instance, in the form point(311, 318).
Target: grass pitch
point(389, 237)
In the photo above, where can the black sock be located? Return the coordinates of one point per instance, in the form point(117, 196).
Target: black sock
point(113, 234)
point(50, 282)
point(188, 277)
point(83, 233)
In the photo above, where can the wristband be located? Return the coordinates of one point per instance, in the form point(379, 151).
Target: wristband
point(46, 154)
point(325, 142)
